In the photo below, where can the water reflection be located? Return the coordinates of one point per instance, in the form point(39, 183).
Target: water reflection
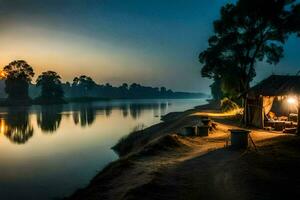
point(124, 108)
point(49, 118)
point(84, 114)
point(56, 136)
point(16, 126)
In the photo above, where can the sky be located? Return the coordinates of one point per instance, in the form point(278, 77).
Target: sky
point(152, 42)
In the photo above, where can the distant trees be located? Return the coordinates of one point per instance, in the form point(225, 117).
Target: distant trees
point(51, 87)
point(125, 91)
point(84, 84)
point(18, 77)
point(247, 32)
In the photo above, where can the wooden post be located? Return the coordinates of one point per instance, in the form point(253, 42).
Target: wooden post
point(298, 118)
point(262, 113)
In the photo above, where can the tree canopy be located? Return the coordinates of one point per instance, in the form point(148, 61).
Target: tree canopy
point(83, 83)
point(247, 32)
point(50, 83)
point(18, 76)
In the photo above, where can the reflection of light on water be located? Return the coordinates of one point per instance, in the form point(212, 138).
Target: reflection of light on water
point(2, 75)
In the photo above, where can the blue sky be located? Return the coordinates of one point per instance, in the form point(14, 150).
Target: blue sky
point(154, 42)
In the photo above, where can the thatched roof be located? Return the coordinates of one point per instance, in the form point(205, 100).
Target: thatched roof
point(277, 85)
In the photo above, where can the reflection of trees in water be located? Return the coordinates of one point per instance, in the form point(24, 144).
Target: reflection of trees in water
point(84, 114)
point(163, 108)
point(136, 110)
point(108, 110)
point(156, 109)
point(18, 129)
point(124, 109)
point(49, 118)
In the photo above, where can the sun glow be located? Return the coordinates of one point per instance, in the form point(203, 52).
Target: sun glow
point(2, 75)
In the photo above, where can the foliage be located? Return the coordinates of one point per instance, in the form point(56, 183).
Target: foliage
point(75, 92)
point(18, 76)
point(50, 83)
point(125, 143)
point(216, 90)
point(84, 83)
point(247, 32)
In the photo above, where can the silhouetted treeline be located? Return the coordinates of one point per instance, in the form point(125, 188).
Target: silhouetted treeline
point(133, 91)
point(107, 91)
point(18, 88)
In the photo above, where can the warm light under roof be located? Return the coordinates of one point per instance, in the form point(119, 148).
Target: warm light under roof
point(292, 100)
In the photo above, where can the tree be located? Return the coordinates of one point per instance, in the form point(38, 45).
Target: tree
point(216, 90)
point(84, 83)
point(163, 90)
point(18, 77)
point(248, 32)
point(50, 83)
point(124, 86)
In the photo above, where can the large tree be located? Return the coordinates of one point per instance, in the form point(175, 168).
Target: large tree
point(18, 77)
point(50, 83)
point(247, 32)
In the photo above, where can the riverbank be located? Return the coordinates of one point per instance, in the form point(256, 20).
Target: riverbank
point(157, 163)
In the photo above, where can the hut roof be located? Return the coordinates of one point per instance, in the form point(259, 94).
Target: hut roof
point(277, 85)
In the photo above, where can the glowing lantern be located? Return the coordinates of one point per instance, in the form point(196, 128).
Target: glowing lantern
point(291, 100)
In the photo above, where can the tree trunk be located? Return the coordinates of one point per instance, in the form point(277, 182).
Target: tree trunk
point(298, 120)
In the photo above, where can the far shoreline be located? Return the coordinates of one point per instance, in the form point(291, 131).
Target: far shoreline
point(65, 101)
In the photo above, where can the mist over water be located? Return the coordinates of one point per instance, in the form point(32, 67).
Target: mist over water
point(49, 151)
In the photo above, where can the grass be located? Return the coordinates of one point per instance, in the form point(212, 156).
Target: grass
point(125, 143)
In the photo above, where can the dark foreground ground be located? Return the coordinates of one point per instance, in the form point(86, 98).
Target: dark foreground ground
point(175, 167)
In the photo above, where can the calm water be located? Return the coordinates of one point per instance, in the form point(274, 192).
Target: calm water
point(48, 152)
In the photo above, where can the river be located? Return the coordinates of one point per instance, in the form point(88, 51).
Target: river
point(47, 152)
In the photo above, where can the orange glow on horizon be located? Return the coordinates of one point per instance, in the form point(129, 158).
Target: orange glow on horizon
point(2, 75)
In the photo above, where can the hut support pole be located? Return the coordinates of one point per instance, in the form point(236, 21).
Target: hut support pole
point(298, 118)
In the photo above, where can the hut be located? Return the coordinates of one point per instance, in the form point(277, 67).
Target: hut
point(259, 101)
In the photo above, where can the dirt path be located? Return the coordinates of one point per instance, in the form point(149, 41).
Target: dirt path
point(175, 167)
point(205, 173)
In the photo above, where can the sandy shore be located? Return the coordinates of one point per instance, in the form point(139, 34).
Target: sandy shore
point(157, 163)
